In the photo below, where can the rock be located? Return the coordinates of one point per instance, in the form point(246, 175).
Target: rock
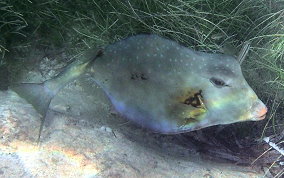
point(106, 129)
point(62, 108)
point(79, 150)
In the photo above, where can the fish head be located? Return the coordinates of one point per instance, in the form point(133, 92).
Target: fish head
point(228, 98)
point(217, 94)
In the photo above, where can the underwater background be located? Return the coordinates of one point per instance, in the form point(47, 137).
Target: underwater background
point(39, 38)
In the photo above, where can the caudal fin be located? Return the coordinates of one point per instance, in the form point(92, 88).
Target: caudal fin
point(38, 95)
point(41, 94)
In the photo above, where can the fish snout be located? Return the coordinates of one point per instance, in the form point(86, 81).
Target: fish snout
point(259, 111)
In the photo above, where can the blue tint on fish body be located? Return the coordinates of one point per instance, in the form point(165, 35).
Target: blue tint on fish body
point(160, 85)
point(173, 73)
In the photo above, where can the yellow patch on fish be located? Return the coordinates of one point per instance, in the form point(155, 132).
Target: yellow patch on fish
point(190, 107)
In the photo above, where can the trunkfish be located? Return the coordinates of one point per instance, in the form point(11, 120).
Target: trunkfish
point(160, 85)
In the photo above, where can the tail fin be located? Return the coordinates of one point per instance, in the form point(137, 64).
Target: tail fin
point(41, 94)
point(36, 94)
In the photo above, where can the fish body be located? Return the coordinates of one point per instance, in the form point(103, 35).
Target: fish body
point(169, 88)
point(161, 85)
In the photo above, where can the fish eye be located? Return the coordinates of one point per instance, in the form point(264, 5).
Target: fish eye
point(218, 82)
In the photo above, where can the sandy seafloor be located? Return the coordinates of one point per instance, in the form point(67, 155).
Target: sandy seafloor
point(84, 137)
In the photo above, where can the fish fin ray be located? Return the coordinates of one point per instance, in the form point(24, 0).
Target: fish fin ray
point(38, 95)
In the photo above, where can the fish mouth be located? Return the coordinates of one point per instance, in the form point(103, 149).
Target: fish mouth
point(260, 111)
point(259, 118)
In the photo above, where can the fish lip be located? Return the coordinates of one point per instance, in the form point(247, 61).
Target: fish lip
point(262, 117)
point(258, 118)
